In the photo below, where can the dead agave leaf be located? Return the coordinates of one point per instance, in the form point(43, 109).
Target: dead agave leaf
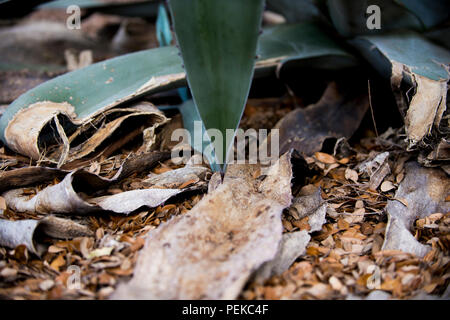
point(310, 204)
point(292, 246)
point(64, 198)
point(424, 190)
point(23, 177)
point(337, 114)
point(210, 252)
point(178, 177)
point(409, 58)
point(24, 132)
point(29, 232)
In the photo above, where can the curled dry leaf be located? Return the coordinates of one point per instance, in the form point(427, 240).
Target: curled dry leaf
point(377, 168)
point(351, 175)
point(292, 246)
point(210, 252)
point(65, 197)
point(310, 204)
point(410, 59)
point(337, 114)
point(29, 232)
point(424, 190)
point(176, 178)
point(80, 138)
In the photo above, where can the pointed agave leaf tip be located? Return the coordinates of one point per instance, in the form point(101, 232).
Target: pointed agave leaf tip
point(218, 41)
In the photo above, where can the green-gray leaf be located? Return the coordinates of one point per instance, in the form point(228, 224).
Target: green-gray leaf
point(218, 42)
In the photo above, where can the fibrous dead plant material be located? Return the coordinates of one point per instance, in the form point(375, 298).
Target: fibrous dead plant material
point(23, 177)
point(30, 232)
point(73, 194)
point(211, 251)
point(422, 192)
point(32, 131)
point(292, 246)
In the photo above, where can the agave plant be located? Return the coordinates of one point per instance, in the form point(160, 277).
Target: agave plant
point(219, 41)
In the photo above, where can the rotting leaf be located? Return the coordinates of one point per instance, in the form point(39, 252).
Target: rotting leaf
point(65, 197)
point(407, 57)
point(29, 232)
point(337, 114)
point(74, 146)
point(424, 191)
point(24, 177)
point(292, 246)
point(210, 252)
point(176, 178)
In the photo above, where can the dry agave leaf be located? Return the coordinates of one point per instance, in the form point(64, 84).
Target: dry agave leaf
point(66, 196)
point(292, 246)
point(178, 177)
point(337, 114)
point(310, 204)
point(23, 177)
point(71, 143)
point(210, 252)
point(409, 58)
point(424, 191)
point(29, 232)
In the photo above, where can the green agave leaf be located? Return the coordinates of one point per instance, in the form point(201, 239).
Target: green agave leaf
point(202, 143)
point(407, 57)
point(350, 18)
point(218, 41)
point(431, 13)
point(298, 10)
point(164, 36)
point(307, 45)
point(137, 8)
point(163, 32)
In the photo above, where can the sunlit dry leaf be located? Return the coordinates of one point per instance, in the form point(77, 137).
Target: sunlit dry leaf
point(325, 158)
point(58, 262)
point(424, 190)
point(351, 175)
point(387, 186)
point(105, 251)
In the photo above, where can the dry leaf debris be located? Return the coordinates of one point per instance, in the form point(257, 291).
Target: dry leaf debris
point(342, 259)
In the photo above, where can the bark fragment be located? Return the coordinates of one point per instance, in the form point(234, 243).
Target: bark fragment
point(29, 232)
point(210, 252)
point(422, 192)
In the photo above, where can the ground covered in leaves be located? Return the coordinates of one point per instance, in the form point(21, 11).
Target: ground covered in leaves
point(356, 179)
point(341, 261)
